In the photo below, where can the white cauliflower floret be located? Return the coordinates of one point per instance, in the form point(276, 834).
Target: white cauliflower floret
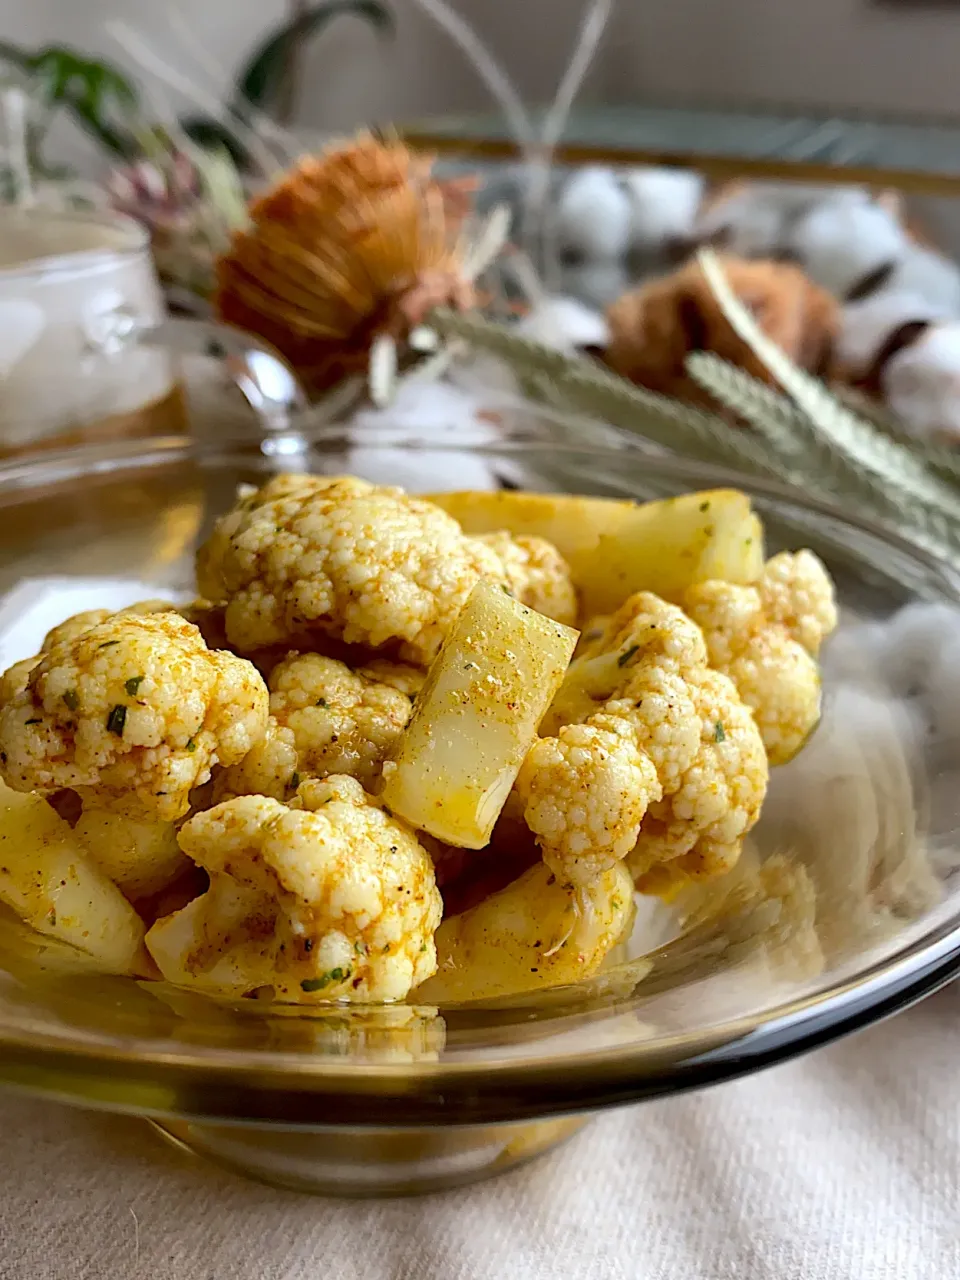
point(328, 899)
point(642, 677)
point(797, 592)
point(697, 831)
point(537, 574)
point(72, 628)
point(398, 675)
point(585, 793)
point(342, 721)
point(766, 637)
point(270, 768)
point(366, 564)
point(132, 714)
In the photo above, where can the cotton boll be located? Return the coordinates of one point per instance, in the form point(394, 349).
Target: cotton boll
point(592, 217)
point(866, 325)
point(854, 655)
point(921, 383)
point(931, 275)
point(596, 284)
point(840, 243)
point(912, 643)
point(566, 324)
point(745, 224)
point(754, 219)
point(664, 205)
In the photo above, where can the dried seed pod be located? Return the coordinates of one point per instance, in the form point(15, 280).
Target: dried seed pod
point(655, 327)
point(358, 241)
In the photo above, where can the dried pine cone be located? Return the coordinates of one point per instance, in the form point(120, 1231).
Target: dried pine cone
point(654, 328)
point(358, 241)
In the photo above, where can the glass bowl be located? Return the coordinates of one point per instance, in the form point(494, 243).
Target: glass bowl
point(843, 910)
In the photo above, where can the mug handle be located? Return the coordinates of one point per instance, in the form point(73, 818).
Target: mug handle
point(261, 374)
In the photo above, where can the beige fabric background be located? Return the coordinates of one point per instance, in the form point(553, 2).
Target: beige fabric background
point(844, 1165)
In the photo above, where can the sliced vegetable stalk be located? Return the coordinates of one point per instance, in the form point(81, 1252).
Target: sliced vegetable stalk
point(615, 548)
point(50, 884)
point(476, 717)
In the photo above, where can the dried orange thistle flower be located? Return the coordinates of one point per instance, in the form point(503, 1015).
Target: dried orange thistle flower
point(351, 244)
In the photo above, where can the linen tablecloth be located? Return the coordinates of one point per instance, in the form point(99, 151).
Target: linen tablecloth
point(843, 1165)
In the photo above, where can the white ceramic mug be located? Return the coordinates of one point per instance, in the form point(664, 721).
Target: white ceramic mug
point(74, 289)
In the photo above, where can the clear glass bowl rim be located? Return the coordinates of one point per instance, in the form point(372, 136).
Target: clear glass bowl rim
point(302, 1092)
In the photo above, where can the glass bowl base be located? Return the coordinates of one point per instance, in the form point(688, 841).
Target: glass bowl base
point(362, 1163)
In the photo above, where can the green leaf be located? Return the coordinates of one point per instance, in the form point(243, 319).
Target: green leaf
point(91, 91)
point(260, 81)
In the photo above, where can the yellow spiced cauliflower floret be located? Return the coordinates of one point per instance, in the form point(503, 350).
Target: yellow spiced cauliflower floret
point(342, 721)
point(366, 564)
point(270, 768)
point(132, 714)
point(696, 831)
point(329, 898)
point(628, 740)
point(74, 627)
point(766, 638)
point(585, 792)
point(537, 575)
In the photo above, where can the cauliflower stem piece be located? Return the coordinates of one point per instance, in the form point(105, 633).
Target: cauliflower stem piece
point(537, 932)
point(49, 881)
point(476, 717)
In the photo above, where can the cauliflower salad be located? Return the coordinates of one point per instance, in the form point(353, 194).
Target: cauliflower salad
point(407, 745)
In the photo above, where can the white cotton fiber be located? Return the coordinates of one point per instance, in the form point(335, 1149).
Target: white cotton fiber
point(866, 325)
point(846, 807)
point(911, 646)
point(931, 275)
point(595, 283)
point(593, 216)
point(840, 243)
point(663, 206)
point(921, 384)
point(756, 219)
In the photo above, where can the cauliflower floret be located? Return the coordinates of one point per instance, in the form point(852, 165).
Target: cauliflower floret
point(643, 682)
point(585, 793)
point(366, 564)
point(342, 721)
point(797, 592)
point(765, 638)
point(72, 628)
point(132, 714)
point(537, 574)
point(328, 899)
point(697, 830)
point(15, 679)
point(398, 675)
point(270, 768)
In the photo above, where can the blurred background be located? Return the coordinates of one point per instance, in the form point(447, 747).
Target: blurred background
point(896, 58)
